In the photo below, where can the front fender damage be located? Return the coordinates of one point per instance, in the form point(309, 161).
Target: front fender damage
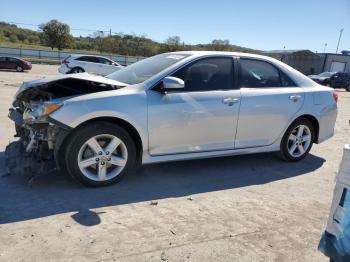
point(40, 137)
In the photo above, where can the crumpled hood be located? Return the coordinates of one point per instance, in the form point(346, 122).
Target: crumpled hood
point(80, 76)
point(65, 86)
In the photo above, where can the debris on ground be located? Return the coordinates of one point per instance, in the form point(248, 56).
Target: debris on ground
point(19, 162)
point(163, 257)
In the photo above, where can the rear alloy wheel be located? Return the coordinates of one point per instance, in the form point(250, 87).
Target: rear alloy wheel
point(77, 70)
point(19, 69)
point(100, 154)
point(297, 140)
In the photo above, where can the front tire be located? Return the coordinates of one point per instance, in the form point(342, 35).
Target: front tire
point(19, 69)
point(100, 154)
point(298, 140)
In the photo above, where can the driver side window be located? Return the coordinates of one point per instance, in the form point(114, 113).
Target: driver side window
point(207, 74)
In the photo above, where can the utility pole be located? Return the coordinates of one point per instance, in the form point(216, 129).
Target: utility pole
point(110, 32)
point(341, 32)
point(324, 49)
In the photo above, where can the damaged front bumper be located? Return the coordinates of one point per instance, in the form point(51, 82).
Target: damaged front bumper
point(36, 151)
point(40, 136)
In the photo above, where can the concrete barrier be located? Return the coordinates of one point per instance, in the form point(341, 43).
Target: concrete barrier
point(56, 55)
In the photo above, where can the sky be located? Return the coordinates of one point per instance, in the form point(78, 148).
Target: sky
point(258, 24)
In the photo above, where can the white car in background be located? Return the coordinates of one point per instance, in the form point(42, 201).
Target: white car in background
point(88, 63)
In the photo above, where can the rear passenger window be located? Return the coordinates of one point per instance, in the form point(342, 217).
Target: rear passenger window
point(88, 59)
point(256, 73)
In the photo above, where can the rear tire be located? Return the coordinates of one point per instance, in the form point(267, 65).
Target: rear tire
point(100, 154)
point(76, 70)
point(298, 140)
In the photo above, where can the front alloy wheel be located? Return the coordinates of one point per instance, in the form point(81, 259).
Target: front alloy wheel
point(99, 154)
point(102, 157)
point(297, 140)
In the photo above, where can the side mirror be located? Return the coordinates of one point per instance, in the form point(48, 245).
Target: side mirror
point(170, 82)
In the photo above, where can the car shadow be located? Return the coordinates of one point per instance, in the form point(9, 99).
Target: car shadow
point(55, 194)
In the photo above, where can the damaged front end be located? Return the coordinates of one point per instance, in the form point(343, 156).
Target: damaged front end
point(40, 137)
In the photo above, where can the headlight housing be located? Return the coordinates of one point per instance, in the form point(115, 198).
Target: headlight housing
point(39, 110)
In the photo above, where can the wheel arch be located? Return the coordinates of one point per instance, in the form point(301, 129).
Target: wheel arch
point(314, 123)
point(77, 67)
point(118, 121)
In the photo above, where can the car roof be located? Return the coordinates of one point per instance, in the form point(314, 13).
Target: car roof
point(203, 53)
point(13, 57)
point(79, 55)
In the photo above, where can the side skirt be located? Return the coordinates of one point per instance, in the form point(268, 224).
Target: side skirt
point(148, 159)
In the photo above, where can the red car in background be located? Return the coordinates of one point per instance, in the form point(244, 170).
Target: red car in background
point(14, 63)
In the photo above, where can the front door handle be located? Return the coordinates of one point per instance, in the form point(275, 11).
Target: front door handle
point(230, 101)
point(294, 98)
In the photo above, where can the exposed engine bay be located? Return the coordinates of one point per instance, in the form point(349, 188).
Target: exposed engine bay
point(40, 137)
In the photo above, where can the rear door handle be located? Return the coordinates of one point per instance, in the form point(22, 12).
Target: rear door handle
point(294, 98)
point(230, 101)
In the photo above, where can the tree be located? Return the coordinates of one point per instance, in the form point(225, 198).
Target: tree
point(220, 42)
point(98, 40)
point(171, 44)
point(220, 45)
point(56, 34)
point(173, 40)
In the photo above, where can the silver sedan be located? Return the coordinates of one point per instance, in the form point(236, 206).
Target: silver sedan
point(172, 106)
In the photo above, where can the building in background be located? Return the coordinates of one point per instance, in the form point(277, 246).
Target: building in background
point(335, 62)
point(304, 61)
point(310, 63)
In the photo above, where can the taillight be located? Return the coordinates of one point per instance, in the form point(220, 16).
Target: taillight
point(335, 96)
point(65, 61)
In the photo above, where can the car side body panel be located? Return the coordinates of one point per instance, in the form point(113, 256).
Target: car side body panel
point(265, 113)
point(133, 104)
point(185, 122)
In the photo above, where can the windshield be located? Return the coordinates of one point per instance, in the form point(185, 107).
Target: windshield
point(326, 74)
point(145, 69)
